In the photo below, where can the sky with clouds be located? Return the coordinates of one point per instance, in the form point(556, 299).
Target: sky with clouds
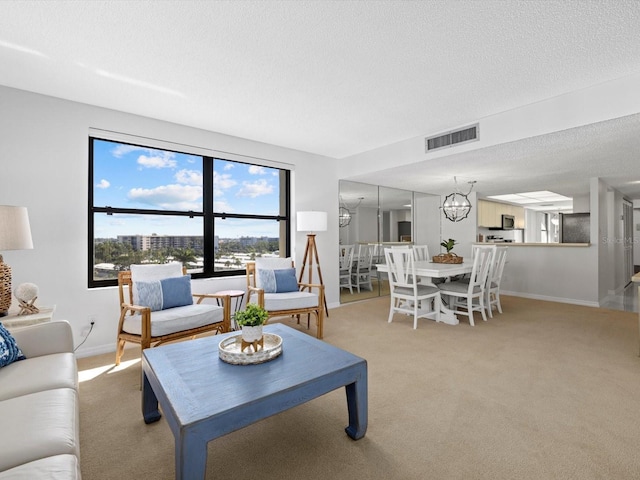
point(129, 176)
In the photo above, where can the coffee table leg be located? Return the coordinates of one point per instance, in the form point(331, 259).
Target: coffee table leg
point(150, 410)
point(191, 457)
point(357, 404)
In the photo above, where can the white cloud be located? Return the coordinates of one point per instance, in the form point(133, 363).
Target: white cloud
point(228, 166)
point(221, 205)
point(164, 160)
point(222, 182)
point(255, 189)
point(169, 197)
point(122, 149)
point(257, 170)
point(189, 177)
point(103, 184)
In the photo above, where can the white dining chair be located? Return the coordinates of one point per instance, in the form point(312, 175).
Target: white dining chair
point(471, 290)
point(421, 253)
point(362, 267)
point(346, 266)
point(494, 279)
point(407, 295)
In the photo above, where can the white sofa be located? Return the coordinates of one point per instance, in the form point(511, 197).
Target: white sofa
point(39, 406)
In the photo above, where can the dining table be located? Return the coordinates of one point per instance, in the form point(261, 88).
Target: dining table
point(428, 270)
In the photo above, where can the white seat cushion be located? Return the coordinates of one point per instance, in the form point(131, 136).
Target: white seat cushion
point(58, 467)
point(36, 374)
point(289, 300)
point(176, 319)
point(457, 287)
point(39, 425)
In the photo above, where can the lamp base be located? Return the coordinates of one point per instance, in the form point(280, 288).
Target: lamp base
point(5, 288)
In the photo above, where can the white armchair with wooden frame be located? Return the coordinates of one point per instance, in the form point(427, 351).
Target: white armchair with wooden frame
point(157, 306)
point(272, 284)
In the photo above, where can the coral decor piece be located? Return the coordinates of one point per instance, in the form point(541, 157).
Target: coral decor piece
point(27, 293)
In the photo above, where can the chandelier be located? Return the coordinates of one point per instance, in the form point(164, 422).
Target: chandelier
point(344, 213)
point(456, 206)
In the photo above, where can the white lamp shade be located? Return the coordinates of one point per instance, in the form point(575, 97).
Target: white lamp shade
point(312, 221)
point(15, 233)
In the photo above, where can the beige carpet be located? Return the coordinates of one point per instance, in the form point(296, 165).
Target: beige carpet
point(543, 391)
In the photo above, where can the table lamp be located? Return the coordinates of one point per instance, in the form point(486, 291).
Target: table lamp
point(15, 234)
point(312, 222)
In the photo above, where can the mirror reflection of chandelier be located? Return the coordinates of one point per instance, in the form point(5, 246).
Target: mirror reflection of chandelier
point(456, 206)
point(345, 213)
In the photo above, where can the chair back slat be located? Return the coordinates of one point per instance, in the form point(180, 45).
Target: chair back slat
point(401, 267)
point(421, 253)
point(497, 266)
point(346, 256)
point(481, 264)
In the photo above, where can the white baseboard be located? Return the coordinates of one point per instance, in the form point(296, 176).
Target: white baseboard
point(571, 301)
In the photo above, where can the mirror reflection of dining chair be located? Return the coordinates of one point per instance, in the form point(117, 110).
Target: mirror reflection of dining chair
point(470, 294)
point(362, 266)
point(346, 265)
point(407, 295)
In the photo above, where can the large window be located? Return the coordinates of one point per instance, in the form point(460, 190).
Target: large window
point(149, 205)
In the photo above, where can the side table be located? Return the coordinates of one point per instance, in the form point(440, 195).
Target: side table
point(238, 295)
point(13, 320)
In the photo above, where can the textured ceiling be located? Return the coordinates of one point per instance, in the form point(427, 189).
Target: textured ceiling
point(333, 78)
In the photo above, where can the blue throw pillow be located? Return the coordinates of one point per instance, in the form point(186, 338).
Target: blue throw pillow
point(148, 294)
point(9, 350)
point(176, 292)
point(165, 293)
point(278, 281)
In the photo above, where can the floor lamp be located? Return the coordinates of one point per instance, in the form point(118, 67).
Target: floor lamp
point(312, 222)
point(15, 234)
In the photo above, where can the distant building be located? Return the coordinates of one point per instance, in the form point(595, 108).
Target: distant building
point(159, 242)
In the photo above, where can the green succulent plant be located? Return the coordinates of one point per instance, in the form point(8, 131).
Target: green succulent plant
point(448, 244)
point(252, 316)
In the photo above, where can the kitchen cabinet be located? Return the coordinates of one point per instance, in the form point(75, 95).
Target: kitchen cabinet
point(490, 214)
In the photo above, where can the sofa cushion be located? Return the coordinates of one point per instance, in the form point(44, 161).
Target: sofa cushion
point(9, 350)
point(176, 319)
point(36, 374)
point(58, 467)
point(278, 281)
point(165, 293)
point(39, 425)
point(289, 300)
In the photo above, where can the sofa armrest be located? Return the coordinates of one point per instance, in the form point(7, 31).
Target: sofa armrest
point(45, 338)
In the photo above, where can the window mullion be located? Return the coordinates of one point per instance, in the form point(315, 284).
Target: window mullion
point(209, 233)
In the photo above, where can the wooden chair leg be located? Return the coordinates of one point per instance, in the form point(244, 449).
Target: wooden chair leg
point(119, 351)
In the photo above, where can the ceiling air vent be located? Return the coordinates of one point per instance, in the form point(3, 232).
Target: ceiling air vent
point(455, 137)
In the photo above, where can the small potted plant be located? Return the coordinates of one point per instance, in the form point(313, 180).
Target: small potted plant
point(251, 320)
point(448, 257)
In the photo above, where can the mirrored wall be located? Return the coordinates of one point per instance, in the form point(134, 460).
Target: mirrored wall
point(372, 217)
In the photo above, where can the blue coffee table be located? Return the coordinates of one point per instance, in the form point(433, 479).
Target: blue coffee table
point(203, 398)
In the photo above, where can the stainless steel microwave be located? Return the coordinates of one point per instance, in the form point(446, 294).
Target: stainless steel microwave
point(508, 222)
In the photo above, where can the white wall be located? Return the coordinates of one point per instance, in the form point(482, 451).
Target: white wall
point(426, 223)
point(44, 155)
point(561, 274)
point(636, 236)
